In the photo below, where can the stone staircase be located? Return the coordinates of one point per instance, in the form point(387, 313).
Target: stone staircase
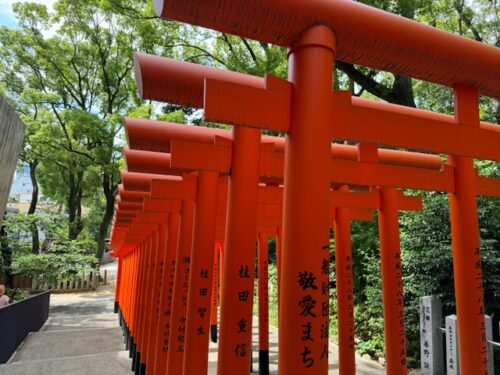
point(81, 337)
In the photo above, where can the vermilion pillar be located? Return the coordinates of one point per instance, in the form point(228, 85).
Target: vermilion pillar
point(176, 344)
point(221, 271)
point(164, 330)
point(263, 285)
point(278, 265)
point(159, 291)
point(345, 292)
point(200, 279)
point(117, 284)
point(141, 297)
point(303, 334)
point(392, 283)
point(150, 320)
point(239, 255)
point(147, 292)
point(133, 298)
point(215, 291)
point(467, 267)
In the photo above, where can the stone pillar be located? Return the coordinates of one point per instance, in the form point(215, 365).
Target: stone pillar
point(431, 338)
point(452, 364)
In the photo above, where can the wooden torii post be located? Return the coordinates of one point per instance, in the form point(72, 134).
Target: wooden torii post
point(357, 112)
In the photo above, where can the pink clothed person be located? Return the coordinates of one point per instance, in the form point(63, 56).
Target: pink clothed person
point(4, 299)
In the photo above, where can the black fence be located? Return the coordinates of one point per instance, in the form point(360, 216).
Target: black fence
point(19, 319)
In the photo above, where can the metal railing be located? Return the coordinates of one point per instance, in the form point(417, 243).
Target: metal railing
point(19, 319)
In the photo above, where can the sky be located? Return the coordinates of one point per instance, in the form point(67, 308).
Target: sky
point(7, 16)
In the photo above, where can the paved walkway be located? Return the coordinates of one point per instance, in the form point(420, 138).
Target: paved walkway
point(82, 337)
point(363, 367)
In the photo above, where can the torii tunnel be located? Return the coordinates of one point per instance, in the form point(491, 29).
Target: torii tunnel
point(197, 204)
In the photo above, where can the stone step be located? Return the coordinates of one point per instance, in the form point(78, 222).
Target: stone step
point(69, 343)
point(72, 322)
point(111, 363)
point(82, 303)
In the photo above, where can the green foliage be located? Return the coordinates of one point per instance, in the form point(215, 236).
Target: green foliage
point(16, 295)
point(427, 259)
point(273, 294)
point(60, 258)
point(73, 84)
point(177, 116)
point(53, 266)
point(18, 228)
point(94, 217)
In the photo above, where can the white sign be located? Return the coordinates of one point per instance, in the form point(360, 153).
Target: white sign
point(452, 365)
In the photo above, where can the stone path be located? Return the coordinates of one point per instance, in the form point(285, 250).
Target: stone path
point(363, 367)
point(81, 337)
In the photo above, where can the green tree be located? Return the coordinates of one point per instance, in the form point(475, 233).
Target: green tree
point(77, 63)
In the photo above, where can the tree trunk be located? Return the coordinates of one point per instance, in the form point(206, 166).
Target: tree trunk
point(75, 205)
point(403, 89)
point(109, 192)
point(35, 241)
point(34, 194)
point(71, 207)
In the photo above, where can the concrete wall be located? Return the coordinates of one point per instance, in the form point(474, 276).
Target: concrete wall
point(11, 139)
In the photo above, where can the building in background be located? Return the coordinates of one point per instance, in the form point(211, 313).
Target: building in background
point(22, 188)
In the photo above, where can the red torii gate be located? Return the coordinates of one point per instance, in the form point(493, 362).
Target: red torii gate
point(174, 75)
point(141, 136)
point(155, 160)
point(359, 34)
point(479, 141)
point(154, 155)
